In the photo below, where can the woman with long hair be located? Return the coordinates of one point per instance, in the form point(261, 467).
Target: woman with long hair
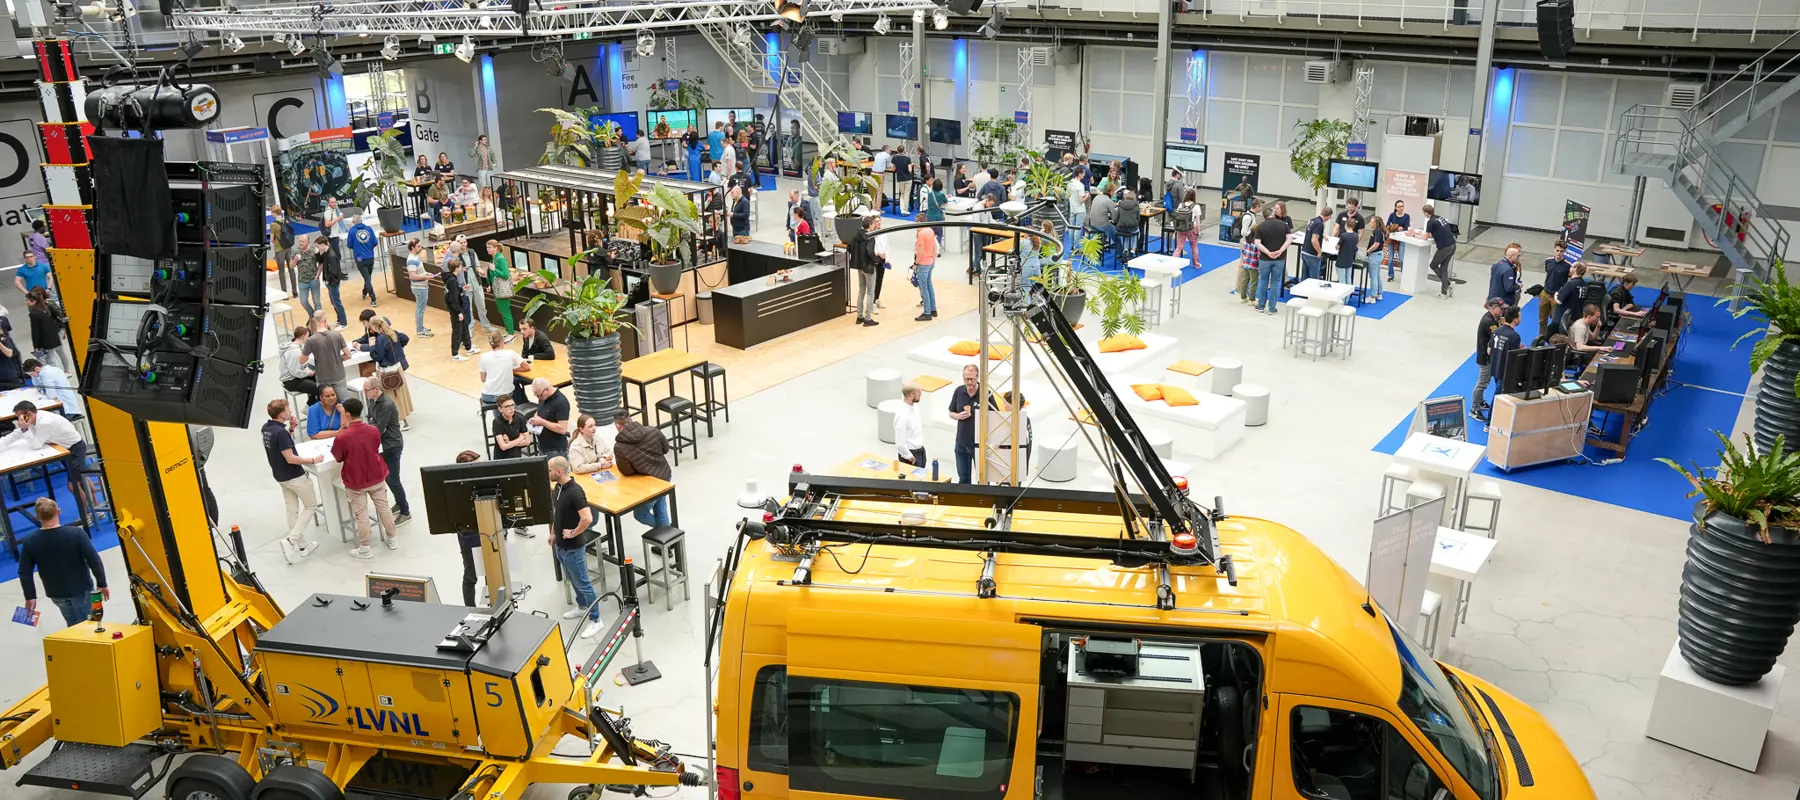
point(46, 328)
point(424, 177)
point(387, 348)
point(959, 181)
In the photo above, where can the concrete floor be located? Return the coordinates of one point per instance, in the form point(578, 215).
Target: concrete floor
point(1575, 614)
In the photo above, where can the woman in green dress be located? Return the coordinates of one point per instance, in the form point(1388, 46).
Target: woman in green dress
point(500, 281)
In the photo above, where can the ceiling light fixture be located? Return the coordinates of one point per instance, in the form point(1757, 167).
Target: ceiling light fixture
point(390, 48)
point(940, 20)
point(329, 65)
point(646, 44)
point(466, 50)
point(883, 25)
point(233, 43)
point(791, 10)
point(741, 34)
point(918, 16)
point(296, 45)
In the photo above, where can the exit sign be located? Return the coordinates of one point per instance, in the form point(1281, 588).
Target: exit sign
point(443, 48)
point(583, 35)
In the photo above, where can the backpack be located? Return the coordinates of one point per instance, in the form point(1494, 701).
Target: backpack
point(1184, 217)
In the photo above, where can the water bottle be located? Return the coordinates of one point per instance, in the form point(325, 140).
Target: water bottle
point(934, 469)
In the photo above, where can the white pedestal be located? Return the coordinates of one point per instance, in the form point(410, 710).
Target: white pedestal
point(1415, 266)
point(1725, 723)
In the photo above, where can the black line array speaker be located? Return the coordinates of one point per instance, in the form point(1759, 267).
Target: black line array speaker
point(1556, 27)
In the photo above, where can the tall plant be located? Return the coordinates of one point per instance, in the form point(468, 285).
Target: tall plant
point(590, 310)
point(1763, 489)
point(1776, 304)
point(669, 215)
point(1072, 275)
point(1316, 142)
point(571, 139)
point(1117, 298)
point(689, 92)
point(993, 139)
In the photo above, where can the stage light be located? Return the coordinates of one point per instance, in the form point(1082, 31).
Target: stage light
point(646, 44)
point(803, 39)
point(328, 64)
point(791, 10)
point(390, 48)
point(837, 17)
point(940, 20)
point(991, 28)
point(296, 45)
point(362, 29)
point(918, 16)
point(233, 43)
point(883, 25)
point(466, 50)
point(741, 34)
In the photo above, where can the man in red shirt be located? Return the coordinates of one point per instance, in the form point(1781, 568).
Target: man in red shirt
point(358, 448)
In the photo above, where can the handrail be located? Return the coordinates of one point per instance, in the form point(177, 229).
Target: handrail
point(1741, 70)
point(1761, 78)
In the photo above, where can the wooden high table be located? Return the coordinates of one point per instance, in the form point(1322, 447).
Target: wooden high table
point(1683, 274)
point(894, 469)
point(658, 366)
point(614, 499)
point(554, 370)
point(1615, 250)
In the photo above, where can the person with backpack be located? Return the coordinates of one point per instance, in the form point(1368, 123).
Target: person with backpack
point(1174, 192)
point(1249, 258)
point(1185, 220)
point(362, 247)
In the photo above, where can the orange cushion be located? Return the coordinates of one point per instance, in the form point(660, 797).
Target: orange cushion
point(998, 352)
point(966, 348)
point(270, 265)
point(1148, 391)
point(930, 383)
point(1177, 396)
point(1122, 342)
point(1190, 367)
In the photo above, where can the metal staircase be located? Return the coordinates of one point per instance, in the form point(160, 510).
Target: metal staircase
point(806, 90)
point(1668, 144)
point(1725, 110)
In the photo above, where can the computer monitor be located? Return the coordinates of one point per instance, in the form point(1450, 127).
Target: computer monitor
point(521, 484)
point(627, 122)
point(1357, 176)
point(1547, 364)
point(944, 131)
point(1515, 374)
point(1650, 355)
point(679, 120)
point(902, 126)
point(855, 122)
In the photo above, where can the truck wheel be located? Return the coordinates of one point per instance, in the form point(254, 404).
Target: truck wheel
point(210, 777)
point(588, 792)
point(296, 783)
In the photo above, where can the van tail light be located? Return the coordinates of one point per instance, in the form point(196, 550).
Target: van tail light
point(728, 782)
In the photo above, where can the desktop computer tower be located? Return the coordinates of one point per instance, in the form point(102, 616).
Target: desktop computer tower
point(1616, 383)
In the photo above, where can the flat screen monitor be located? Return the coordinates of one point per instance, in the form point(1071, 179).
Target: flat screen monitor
point(679, 119)
point(1547, 364)
point(859, 122)
point(902, 126)
point(1445, 186)
point(522, 485)
point(1355, 176)
point(627, 122)
point(945, 131)
point(1515, 376)
point(1189, 158)
point(742, 115)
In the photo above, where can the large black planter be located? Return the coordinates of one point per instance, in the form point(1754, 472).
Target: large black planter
point(665, 278)
point(594, 366)
point(1740, 598)
point(611, 159)
point(392, 219)
point(1071, 306)
point(1777, 409)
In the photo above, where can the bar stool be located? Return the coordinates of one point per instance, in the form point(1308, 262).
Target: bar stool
point(1489, 491)
point(1058, 447)
point(1151, 310)
point(670, 545)
point(712, 404)
point(1161, 443)
point(884, 418)
point(1428, 615)
point(1227, 372)
point(285, 314)
point(1342, 328)
point(881, 384)
point(1304, 317)
point(1397, 475)
point(679, 408)
point(1256, 403)
point(1423, 490)
point(1293, 333)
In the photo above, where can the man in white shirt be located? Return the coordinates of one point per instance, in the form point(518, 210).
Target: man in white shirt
point(909, 432)
point(882, 160)
point(498, 366)
point(728, 162)
point(38, 429)
point(52, 381)
point(979, 180)
point(1077, 204)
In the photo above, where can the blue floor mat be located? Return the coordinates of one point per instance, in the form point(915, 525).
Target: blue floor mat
point(1704, 394)
point(105, 532)
point(1389, 302)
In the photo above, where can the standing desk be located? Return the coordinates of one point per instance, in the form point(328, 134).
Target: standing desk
point(614, 499)
point(18, 459)
point(1450, 459)
point(1640, 403)
point(658, 366)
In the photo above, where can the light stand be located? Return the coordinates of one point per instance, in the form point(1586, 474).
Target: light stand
point(643, 671)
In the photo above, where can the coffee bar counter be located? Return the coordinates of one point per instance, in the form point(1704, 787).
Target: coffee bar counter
point(758, 259)
point(755, 311)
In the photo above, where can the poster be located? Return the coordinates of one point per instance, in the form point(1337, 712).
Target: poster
point(1400, 561)
point(1242, 173)
point(1403, 186)
point(1575, 221)
point(1056, 143)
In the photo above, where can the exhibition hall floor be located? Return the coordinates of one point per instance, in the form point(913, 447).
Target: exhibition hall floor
point(1575, 614)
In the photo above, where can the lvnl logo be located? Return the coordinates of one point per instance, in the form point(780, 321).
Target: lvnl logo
point(319, 705)
point(383, 721)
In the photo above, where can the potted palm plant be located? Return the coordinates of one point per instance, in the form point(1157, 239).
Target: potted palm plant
point(571, 143)
point(1740, 589)
point(589, 313)
point(1068, 280)
point(689, 91)
point(382, 184)
point(669, 217)
point(1776, 304)
point(1117, 298)
point(1316, 142)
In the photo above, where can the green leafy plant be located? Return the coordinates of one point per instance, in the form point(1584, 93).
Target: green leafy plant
point(993, 139)
point(1073, 275)
point(1117, 298)
point(571, 141)
point(1315, 143)
point(1776, 304)
point(670, 214)
point(590, 310)
point(1763, 489)
point(608, 133)
point(1043, 181)
point(689, 92)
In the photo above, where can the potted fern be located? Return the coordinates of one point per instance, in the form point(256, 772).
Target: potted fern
point(666, 220)
point(589, 313)
point(1117, 298)
point(382, 183)
point(1776, 304)
point(1740, 589)
point(1316, 142)
point(689, 92)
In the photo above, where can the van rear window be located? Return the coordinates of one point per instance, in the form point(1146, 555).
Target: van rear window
point(899, 741)
point(768, 722)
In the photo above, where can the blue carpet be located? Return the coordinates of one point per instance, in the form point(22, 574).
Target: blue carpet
point(1389, 302)
point(105, 532)
point(1703, 395)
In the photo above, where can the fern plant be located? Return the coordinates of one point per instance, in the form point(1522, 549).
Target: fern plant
point(1117, 298)
point(1763, 489)
point(1316, 142)
point(1776, 304)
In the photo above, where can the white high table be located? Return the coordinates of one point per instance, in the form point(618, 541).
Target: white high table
point(1456, 561)
point(958, 234)
point(1324, 294)
point(331, 477)
point(1415, 265)
point(1168, 268)
point(1450, 460)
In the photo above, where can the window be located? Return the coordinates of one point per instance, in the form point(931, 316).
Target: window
point(1427, 698)
point(899, 741)
point(768, 721)
point(1338, 755)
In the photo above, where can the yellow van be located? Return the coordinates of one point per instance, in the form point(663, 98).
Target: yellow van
point(912, 671)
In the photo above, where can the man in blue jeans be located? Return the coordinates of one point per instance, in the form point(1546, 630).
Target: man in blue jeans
point(1311, 255)
point(1272, 242)
point(639, 449)
point(62, 556)
point(962, 409)
point(568, 527)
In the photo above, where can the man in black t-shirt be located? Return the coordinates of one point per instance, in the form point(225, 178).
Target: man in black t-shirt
point(1568, 299)
point(297, 490)
point(1484, 335)
point(568, 528)
point(1312, 245)
point(1272, 242)
point(962, 409)
point(534, 345)
point(1351, 217)
point(1619, 302)
point(552, 417)
point(511, 434)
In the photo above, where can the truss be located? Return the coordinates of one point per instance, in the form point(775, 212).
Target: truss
point(1365, 92)
point(495, 18)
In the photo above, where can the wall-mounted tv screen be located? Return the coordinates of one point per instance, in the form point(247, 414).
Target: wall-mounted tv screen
point(1356, 176)
point(902, 126)
point(743, 116)
point(679, 119)
point(856, 122)
point(627, 122)
point(1453, 187)
point(945, 131)
point(1189, 158)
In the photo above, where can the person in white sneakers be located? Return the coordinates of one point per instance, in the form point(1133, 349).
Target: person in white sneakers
point(358, 448)
point(909, 432)
point(296, 486)
point(568, 526)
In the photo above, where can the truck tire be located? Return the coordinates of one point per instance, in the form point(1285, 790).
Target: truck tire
point(210, 777)
point(296, 783)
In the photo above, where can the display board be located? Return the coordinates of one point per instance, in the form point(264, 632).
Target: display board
point(1445, 186)
point(1575, 221)
point(1189, 158)
point(679, 119)
point(945, 131)
point(412, 588)
point(1056, 143)
point(1243, 171)
point(1355, 176)
point(1403, 186)
point(1443, 416)
point(626, 120)
point(1400, 550)
point(732, 117)
point(855, 122)
point(902, 126)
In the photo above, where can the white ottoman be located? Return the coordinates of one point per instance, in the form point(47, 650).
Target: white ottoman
point(884, 418)
point(883, 384)
point(1256, 403)
point(1161, 442)
point(1226, 373)
point(1058, 454)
